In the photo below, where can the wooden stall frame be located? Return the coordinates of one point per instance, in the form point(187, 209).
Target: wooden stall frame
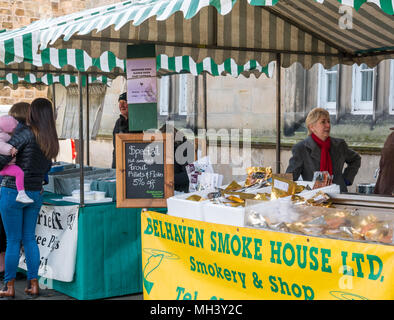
point(168, 148)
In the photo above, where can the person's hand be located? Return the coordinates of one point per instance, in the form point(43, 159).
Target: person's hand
point(13, 151)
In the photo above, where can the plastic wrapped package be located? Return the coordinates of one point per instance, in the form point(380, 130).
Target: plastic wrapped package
point(321, 179)
point(269, 214)
point(317, 220)
point(196, 169)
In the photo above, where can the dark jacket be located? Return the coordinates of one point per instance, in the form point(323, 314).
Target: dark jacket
point(385, 182)
point(306, 160)
point(121, 126)
point(181, 179)
point(29, 158)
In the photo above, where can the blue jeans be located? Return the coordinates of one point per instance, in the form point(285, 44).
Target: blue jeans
point(20, 220)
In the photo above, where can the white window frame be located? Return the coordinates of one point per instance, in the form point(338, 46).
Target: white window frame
point(358, 106)
point(183, 94)
point(331, 107)
point(391, 91)
point(164, 95)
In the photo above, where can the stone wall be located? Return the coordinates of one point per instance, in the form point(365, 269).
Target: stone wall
point(17, 13)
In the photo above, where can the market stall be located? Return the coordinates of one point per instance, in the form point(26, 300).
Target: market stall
point(88, 274)
point(272, 239)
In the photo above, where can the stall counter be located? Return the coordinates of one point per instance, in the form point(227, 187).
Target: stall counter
point(108, 261)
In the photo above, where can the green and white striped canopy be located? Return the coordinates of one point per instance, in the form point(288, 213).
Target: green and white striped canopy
point(73, 60)
point(229, 67)
point(14, 81)
point(305, 31)
point(69, 60)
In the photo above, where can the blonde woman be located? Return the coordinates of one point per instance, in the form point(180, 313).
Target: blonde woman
point(320, 152)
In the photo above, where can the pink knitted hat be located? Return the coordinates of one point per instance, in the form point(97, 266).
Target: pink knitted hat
point(8, 124)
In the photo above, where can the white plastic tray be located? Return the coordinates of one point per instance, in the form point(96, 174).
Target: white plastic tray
point(179, 207)
point(76, 200)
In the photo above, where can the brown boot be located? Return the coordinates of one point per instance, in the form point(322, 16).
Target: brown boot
point(8, 290)
point(32, 287)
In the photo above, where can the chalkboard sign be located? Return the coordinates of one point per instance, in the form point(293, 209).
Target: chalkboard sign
point(144, 175)
point(144, 170)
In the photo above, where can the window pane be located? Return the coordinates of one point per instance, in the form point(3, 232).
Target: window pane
point(331, 87)
point(183, 97)
point(164, 97)
point(366, 85)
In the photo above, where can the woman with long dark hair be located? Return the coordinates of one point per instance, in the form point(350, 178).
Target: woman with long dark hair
point(37, 144)
point(19, 111)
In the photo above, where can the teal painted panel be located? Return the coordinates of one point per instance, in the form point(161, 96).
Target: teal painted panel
point(108, 262)
point(141, 51)
point(142, 116)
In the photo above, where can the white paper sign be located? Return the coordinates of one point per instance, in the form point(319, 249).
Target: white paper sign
point(56, 236)
point(141, 80)
point(281, 185)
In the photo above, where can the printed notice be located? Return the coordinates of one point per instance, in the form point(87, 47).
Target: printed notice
point(141, 80)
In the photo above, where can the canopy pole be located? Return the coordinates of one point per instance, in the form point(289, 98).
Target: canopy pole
point(81, 155)
point(54, 102)
point(87, 123)
point(278, 114)
point(195, 125)
point(204, 82)
point(54, 98)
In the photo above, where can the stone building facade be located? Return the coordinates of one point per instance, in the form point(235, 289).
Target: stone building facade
point(231, 103)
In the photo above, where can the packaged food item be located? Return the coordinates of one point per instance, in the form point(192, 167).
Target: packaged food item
point(236, 199)
point(257, 175)
point(339, 223)
point(319, 199)
point(214, 195)
point(321, 179)
point(195, 197)
point(195, 169)
point(233, 186)
point(262, 196)
point(282, 187)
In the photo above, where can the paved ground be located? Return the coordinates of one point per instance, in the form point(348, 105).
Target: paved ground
point(50, 294)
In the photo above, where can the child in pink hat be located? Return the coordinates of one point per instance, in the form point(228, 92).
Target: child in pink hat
point(7, 127)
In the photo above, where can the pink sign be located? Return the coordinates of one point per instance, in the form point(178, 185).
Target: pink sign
point(141, 80)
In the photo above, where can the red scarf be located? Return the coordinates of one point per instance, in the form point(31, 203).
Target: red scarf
point(325, 159)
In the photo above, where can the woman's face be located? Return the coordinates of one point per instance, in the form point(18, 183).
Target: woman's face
point(321, 128)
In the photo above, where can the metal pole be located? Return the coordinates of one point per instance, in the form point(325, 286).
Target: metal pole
point(87, 123)
point(195, 126)
point(54, 97)
point(278, 114)
point(81, 155)
point(204, 82)
point(205, 101)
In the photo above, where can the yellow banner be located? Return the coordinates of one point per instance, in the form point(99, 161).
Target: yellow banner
point(186, 259)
